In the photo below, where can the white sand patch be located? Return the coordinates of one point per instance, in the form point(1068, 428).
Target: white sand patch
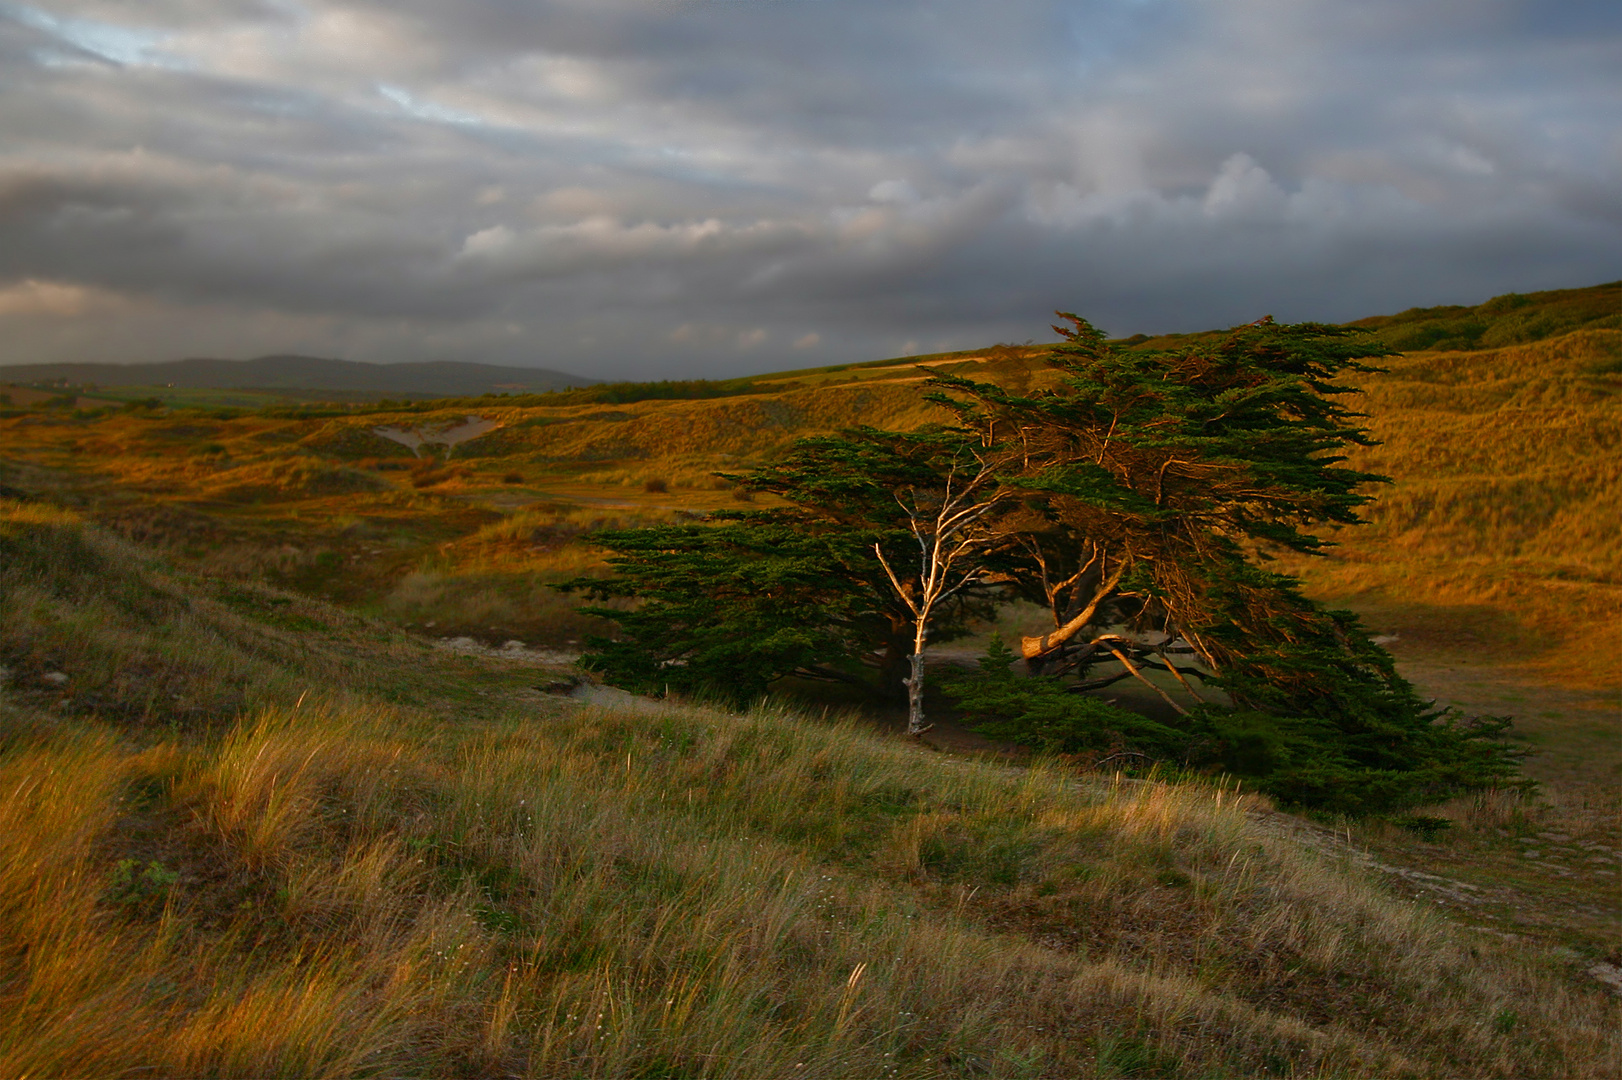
point(513, 651)
point(416, 438)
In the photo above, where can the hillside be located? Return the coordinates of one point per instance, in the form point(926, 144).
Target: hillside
point(431, 379)
point(1511, 319)
point(245, 832)
point(1507, 497)
point(1491, 566)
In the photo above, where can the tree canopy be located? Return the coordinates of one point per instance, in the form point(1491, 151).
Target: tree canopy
point(1138, 496)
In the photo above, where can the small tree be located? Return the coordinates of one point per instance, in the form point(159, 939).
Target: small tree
point(954, 527)
point(816, 589)
point(935, 488)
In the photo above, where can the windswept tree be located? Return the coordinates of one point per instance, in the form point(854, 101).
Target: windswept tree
point(1138, 496)
point(1156, 485)
point(1147, 477)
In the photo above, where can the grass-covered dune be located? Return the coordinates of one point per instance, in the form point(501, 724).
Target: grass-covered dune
point(1507, 502)
point(244, 833)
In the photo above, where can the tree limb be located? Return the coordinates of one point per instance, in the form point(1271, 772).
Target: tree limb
point(1141, 677)
point(1035, 646)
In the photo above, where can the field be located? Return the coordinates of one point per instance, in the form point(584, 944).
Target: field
point(250, 833)
point(285, 828)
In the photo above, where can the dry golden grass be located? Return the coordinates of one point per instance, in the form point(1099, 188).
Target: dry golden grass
point(421, 868)
point(1500, 538)
point(1507, 505)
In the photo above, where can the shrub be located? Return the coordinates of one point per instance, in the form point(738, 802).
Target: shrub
point(1044, 713)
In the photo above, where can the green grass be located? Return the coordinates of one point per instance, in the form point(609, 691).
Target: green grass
point(379, 859)
point(1511, 319)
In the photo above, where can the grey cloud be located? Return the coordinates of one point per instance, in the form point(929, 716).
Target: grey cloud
point(657, 188)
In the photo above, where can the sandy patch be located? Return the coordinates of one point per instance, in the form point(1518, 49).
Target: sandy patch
point(515, 652)
point(416, 438)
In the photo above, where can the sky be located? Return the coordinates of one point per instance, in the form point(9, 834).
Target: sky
point(707, 188)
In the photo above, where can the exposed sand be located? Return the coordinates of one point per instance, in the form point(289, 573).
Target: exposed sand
point(418, 437)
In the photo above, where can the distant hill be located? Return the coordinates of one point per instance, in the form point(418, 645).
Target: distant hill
point(433, 379)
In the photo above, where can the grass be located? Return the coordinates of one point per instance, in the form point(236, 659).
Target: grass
point(1511, 319)
point(1505, 511)
point(429, 869)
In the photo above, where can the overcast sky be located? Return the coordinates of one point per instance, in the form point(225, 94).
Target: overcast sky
point(679, 188)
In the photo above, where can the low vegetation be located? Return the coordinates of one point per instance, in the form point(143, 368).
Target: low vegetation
point(360, 855)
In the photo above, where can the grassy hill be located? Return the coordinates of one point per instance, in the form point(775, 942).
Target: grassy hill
point(1507, 500)
point(1511, 319)
point(249, 833)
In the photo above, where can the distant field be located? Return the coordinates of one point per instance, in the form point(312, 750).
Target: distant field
point(1499, 544)
point(202, 398)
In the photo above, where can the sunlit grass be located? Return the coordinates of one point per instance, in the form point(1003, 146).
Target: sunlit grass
point(361, 871)
point(614, 895)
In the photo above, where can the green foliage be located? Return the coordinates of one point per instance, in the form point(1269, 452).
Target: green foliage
point(1327, 724)
point(132, 885)
point(1324, 718)
point(616, 393)
point(726, 608)
point(1426, 826)
point(723, 610)
point(1047, 714)
point(1133, 1058)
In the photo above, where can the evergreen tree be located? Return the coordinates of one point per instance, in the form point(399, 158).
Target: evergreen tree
point(1155, 486)
point(938, 486)
point(722, 609)
point(1138, 496)
point(822, 589)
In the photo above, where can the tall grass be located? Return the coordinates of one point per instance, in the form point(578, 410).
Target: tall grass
point(332, 885)
point(1506, 500)
point(698, 894)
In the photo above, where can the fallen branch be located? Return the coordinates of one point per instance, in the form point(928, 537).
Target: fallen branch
point(1141, 677)
point(1177, 674)
point(1123, 753)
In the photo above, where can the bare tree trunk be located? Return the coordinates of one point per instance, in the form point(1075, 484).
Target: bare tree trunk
point(1032, 647)
point(915, 683)
point(947, 534)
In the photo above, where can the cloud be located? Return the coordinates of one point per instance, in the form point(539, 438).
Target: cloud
point(754, 183)
point(52, 300)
